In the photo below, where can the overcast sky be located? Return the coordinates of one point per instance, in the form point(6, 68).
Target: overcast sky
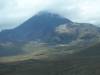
point(15, 12)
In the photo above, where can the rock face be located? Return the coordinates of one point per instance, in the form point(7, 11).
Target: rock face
point(53, 29)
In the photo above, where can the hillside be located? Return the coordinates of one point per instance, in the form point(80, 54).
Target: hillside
point(85, 63)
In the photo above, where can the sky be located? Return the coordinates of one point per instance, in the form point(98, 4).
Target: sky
point(15, 12)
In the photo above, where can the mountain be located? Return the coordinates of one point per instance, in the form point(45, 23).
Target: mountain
point(53, 29)
point(49, 32)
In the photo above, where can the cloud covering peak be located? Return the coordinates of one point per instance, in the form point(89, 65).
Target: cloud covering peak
point(14, 12)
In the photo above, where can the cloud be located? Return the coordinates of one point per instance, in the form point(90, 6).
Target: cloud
point(14, 12)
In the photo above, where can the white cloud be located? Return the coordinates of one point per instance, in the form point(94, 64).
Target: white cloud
point(14, 12)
